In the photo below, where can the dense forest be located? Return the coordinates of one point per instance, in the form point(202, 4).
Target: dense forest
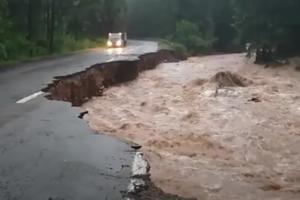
point(37, 27)
point(221, 25)
point(31, 28)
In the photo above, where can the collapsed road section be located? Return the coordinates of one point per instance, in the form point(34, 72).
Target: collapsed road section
point(78, 88)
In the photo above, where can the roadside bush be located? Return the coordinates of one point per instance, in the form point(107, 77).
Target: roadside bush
point(68, 43)
point(17, 47)
point(65, 43)
point(37, 50)
point(179, 48)
point(189, 35)
point(3, 53)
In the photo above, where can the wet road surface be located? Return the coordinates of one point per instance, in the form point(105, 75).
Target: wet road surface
point(46, 151)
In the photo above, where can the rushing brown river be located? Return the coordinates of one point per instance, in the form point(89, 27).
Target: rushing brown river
point(235, 135)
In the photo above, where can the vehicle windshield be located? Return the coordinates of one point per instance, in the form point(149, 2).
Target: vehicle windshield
point(115, 36)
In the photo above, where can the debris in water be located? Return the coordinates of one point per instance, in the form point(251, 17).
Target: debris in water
point(136, 146)
point(143, 104)
point(230, 79)
point(81, 115)
point(255, 99)
point(199, 82)
point(272, 186)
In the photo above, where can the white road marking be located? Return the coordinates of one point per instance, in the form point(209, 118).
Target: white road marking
point(33, 96)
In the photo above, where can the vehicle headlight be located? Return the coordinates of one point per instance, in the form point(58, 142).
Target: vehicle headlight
point(119, 43)
point(109, 43)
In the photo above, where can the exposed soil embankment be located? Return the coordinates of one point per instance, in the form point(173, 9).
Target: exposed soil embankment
point(78, 88)
point(152, 192)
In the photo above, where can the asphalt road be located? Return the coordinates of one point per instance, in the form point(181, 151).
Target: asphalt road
point(46, 151)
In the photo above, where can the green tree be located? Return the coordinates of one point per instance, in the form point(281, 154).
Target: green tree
point(151, 18)
point(4, 26)
point(37, 27)
point(272, 23)
point(189, 35)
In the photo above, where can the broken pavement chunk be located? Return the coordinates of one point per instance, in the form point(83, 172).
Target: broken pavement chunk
point(255, 99)
point(82, 114)
point(140, 167)
point(136, 146)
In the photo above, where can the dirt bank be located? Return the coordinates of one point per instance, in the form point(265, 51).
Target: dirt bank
point(78, 88)
point(237, 141)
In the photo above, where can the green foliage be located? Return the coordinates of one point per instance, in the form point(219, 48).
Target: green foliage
point(179, 48)
point(151, 18)
point(3, 52)
point(30, 28)
point(68, 43)
point(18, 48)
point(189, 35)
point(228, 24)
point(4, 21)
point(224, 31)
point(269, 23)
point(157, 18)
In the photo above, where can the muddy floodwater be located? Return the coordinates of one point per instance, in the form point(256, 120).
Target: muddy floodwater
point(232, 135)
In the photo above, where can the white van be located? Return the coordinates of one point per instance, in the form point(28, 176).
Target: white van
point(116, 40)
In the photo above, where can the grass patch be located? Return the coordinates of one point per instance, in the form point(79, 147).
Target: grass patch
point(179, 48)
point(19, 50)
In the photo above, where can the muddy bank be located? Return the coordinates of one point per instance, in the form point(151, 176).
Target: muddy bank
point(141, 187)
point(78, 88)
point(154, 193)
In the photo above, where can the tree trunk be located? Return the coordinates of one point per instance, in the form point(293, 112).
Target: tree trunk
point(29, 24)
point(48, 21)
point(52, 26)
